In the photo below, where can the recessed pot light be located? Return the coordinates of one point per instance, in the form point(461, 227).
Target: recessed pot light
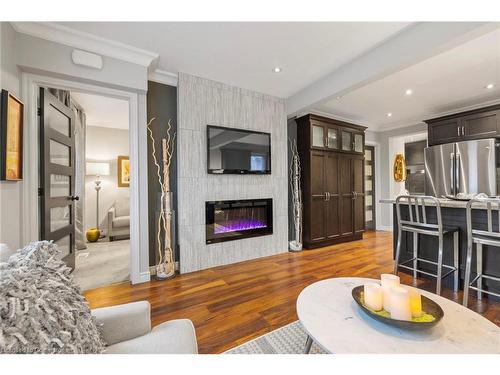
point(489, 86)
point(277, 69)
point(409, 92)
point(389, 114)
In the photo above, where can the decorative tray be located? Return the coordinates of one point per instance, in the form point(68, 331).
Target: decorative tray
point(433, 313)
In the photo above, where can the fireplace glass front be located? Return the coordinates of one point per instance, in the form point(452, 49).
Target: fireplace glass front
point(236, 219)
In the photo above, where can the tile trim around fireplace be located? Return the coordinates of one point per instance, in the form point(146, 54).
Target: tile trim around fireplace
point(202, 102)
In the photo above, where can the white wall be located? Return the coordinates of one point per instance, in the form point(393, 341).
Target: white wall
point(104, 144)
point(202, 102)
point(10, 192)
point(42, 56)
point(386, 159)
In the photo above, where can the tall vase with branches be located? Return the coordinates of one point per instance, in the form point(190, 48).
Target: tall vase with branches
point(165, 267)
point(296, 244)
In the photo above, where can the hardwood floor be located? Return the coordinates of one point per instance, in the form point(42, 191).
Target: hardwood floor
point(232, 304)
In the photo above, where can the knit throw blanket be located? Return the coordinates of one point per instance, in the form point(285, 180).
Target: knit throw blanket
point(41, 308)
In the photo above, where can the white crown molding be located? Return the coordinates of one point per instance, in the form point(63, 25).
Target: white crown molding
point(85, 41)
point(162, 76)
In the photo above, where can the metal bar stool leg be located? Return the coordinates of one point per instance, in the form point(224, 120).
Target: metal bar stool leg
point(456, 263)
point(467, 273)
point(398, 250)
point(439, 265)
point(479, 269)
point(415, 254)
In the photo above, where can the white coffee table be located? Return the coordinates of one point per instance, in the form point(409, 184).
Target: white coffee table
point(333, 320)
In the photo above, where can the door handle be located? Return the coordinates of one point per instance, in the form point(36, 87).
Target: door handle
point(463, 130)
point(457, 173)
point(458, 131)
point(74, 198)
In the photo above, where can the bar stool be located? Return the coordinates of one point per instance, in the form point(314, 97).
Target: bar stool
point(480, 237)
point(418, 225)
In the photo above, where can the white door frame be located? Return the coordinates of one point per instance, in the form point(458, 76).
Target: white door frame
point(378, 216)
point(139, 245)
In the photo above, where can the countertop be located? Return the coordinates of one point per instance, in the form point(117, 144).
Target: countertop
point(443, 201)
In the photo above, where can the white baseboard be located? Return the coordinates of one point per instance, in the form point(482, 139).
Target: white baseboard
point(144, 277)
point(386, 228)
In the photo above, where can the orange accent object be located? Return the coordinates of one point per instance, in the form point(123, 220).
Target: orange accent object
point(399, 168)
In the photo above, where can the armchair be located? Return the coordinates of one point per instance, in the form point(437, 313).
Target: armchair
point(127, 330)
point(119, 219)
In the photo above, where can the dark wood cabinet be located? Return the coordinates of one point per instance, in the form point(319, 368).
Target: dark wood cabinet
point(477, 124)
point(332, 166)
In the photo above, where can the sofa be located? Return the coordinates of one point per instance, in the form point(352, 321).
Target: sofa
point(127, 330)
point(119, 219)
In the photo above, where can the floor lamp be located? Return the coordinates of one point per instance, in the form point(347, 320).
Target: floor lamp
point(97, 169)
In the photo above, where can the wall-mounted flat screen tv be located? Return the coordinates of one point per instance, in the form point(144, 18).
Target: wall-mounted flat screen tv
point(238, 151)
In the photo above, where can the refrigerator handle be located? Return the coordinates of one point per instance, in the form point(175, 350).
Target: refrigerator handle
point(457, 173)
point(452, 173)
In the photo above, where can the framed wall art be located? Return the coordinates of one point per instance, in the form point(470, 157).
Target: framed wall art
point(11, 137)
point(123, 171)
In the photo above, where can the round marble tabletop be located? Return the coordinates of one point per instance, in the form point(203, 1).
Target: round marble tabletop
point(334, 321)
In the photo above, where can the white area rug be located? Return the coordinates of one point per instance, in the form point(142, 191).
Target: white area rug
point(102, 263)
point(290, 339)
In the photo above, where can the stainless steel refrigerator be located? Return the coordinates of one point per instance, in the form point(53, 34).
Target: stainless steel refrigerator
point(463, 167)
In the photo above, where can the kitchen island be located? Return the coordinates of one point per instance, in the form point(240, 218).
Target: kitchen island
point(453, 215)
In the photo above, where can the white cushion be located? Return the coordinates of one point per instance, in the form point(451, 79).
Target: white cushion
point(122, 207)
point(172, 337)
point(121, 221)
point(124, 322)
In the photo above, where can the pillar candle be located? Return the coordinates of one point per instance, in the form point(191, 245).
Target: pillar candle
point(415, 302)
point(400, 303)
point(388, 280)
point(373, 296)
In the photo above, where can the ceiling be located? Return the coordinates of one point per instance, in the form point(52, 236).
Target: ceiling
point(103, 111)
point(244, 54)
point(446, 82)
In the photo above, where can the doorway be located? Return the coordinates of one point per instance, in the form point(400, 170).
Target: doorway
point(98, 176)
point(31, 82)
point(370, 203)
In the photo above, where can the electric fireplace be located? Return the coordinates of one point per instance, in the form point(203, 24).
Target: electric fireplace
point(236, 219)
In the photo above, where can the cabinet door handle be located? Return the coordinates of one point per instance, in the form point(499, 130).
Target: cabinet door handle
point(458, 131)
point(463, 130)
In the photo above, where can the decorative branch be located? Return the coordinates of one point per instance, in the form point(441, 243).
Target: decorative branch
point(295, 172)
point(165, 267)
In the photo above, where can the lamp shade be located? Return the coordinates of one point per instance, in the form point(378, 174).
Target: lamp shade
point(97, 169)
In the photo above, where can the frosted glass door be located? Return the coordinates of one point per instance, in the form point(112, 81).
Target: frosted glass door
point(370, 188)
point(318, 136)
point(332, 139)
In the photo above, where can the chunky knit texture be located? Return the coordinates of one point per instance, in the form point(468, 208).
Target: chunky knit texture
point(41, 308)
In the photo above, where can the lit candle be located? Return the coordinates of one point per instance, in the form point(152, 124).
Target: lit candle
point(400, 303)
point(415, 302)
point(388, 280)
point(373, 296)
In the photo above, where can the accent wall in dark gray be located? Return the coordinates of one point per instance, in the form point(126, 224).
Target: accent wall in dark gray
point(162, 105)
